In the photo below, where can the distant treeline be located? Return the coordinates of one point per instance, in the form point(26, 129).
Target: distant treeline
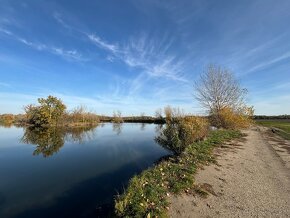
point(79, 119)
point(134, 119)
point(277, 117)
point(9, 119)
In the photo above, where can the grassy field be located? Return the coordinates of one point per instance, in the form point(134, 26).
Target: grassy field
point(282, 125)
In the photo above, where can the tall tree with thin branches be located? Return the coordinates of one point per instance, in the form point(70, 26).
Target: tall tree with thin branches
point(217, 88)
point(220, 93)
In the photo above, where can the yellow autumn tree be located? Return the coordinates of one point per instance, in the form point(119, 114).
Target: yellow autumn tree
point(218, 91)
point(49, 112)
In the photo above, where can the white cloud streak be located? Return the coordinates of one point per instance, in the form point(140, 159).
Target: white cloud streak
point(147, 55)
point(269, 62)
point(57, 16)
point(66, 54)
point(102, 44)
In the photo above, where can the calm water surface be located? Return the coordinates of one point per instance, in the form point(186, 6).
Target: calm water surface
point(71, 172)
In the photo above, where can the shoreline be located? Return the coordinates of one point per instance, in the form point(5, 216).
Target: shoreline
point(147, 193)
point(145, 120)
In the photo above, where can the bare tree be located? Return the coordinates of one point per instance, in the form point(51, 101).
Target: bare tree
point(117, 117)
point(217, 88)
point(158, 113)
point(78, 113)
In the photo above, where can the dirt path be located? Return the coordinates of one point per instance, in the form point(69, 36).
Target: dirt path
point(251, 179)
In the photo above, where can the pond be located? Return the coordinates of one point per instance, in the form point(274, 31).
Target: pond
point(72, 172)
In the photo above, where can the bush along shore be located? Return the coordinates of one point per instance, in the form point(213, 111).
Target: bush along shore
point(147, 193)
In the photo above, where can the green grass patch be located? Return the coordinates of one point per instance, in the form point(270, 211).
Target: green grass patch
point(282, 125)
point(146, 195)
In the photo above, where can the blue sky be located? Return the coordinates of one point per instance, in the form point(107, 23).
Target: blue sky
point(137, 56)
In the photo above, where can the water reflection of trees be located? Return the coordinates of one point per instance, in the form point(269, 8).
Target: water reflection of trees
point(79, 134)
point(142, 126)
point(158, 128)
point(117, 128)
point(171, 136)
point(6, 125)
point(50, 140)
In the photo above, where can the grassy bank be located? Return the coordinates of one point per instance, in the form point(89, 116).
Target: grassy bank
point(146, 195)
point(282, 127)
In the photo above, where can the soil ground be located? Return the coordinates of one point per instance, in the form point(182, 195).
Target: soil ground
point(251, 179)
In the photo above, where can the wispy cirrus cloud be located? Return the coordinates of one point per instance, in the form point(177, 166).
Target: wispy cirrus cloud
point(102, 44)
point(58, 17)
point(150, 55)
point(268, 63)
point(7, 32)
point(66, 54)
point(38, 46)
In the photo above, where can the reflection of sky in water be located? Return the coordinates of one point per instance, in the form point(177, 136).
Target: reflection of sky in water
point(30, 182)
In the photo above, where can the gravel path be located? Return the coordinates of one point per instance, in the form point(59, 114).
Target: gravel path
point(251, 179)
